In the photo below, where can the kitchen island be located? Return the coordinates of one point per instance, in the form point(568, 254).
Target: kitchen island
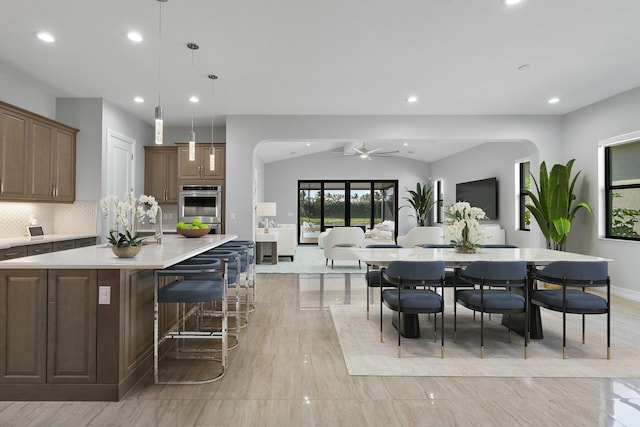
point(78, 324)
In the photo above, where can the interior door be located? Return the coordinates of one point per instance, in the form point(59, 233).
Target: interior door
point(119, 168)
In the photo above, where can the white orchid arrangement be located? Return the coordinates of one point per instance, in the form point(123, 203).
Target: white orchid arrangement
point(464, 231)
point(128, 214)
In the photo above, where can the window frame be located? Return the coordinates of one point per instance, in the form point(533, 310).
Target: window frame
point(609, 188)
point(522, 198)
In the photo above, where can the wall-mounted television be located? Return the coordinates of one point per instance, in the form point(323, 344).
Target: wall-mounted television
point(482, 194)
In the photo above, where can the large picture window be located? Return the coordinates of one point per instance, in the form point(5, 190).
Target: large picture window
point(335, 203)
point(622, 190)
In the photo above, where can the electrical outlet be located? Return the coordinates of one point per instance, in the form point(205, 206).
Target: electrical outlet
point(233, 216)
point(104, 295)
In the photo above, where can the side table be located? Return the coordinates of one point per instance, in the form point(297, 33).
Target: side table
point(267, 238)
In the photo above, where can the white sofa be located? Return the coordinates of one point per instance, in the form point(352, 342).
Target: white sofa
point(419, 236)
point(338, 242)
point(286, 240)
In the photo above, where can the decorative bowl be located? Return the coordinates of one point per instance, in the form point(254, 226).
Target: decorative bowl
point(193, 232)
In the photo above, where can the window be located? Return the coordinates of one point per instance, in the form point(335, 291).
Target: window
point(439, 202)
point(622, 190)
point(524, 179)
point(336, 203)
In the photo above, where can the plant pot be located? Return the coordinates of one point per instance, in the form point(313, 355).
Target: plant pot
point(463, 250)
point(126, 251)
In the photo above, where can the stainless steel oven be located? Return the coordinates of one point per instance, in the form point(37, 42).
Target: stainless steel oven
point(203, 202)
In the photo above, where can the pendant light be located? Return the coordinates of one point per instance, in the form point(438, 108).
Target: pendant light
point(159, 118)
point(192, 134)
point(212, 149)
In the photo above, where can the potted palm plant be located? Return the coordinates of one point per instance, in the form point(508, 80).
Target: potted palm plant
point(554, 204)
point(422, 201)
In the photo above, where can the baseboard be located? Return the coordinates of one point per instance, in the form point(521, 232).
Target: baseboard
point(625, 293)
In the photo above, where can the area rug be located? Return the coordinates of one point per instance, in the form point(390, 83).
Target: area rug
point(365, 355)
point(309, 259)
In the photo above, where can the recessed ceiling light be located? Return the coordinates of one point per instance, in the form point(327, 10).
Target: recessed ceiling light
point(45, 37)
point(134, 36)
point(194, 99)
point(510, 2)
point(412, 99)
point(308, 144)
point(405, 144)
point(553, 100)
point(139, 99)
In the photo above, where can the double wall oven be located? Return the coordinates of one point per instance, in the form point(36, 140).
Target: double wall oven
point(203, 202)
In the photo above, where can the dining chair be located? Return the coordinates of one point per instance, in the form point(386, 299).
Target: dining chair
point(373, 275)
point(495, 281)
point(585, 275)
point(411, 295)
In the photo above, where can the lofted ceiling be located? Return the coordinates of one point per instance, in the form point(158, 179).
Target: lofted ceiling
point(331, 57)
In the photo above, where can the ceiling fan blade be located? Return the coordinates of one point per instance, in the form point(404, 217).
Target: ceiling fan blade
point(387, 152)
point(374, 150)
point(363, 151)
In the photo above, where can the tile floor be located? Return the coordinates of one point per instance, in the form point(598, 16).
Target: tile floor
point(289, 371)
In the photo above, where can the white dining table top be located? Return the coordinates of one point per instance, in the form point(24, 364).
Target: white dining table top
point(537, 256)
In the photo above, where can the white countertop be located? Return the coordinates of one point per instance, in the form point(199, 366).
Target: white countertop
point(538, 256)
point(174, 248)
point(25, 240)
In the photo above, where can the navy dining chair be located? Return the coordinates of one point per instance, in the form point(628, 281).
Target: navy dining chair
point(575, 279)
point(495, 281)
point(411, 294)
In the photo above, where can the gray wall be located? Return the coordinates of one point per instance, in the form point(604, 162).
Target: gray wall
point(498, 160)
point(540, 134)
point(26, 96)
point(584, 129)
point(281, 179)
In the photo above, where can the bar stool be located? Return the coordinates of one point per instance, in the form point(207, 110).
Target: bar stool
point(192, 284)
point(233, 261)
point(251, 267)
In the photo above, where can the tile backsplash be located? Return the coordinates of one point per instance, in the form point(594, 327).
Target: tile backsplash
point(55, 218)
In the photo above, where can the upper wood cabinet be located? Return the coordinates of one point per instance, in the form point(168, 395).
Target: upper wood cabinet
point(37, 157)
point(198, 169)
point(13, 154)
point(161, 173)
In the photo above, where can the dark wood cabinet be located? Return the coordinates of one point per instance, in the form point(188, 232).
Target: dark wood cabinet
point(161, 173)
point(11, 253)
point(49, 335)
point(37, 157)
point(72, 297)
point(23, 330)
point(199, 170)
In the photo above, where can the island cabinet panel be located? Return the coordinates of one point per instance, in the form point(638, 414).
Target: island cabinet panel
point(23, 326)
point(71, 340)
point(139, 317)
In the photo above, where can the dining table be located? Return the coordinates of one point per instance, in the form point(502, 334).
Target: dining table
point(534, 257)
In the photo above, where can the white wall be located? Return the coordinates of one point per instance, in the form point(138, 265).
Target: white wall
point(281, 179)
point(584, 129)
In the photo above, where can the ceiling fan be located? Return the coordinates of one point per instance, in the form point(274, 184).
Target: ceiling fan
point(365, 153)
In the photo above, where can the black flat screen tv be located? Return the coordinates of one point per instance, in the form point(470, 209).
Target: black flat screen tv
point(482, 194)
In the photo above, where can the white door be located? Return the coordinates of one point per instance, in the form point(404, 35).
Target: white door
point(119, 169)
